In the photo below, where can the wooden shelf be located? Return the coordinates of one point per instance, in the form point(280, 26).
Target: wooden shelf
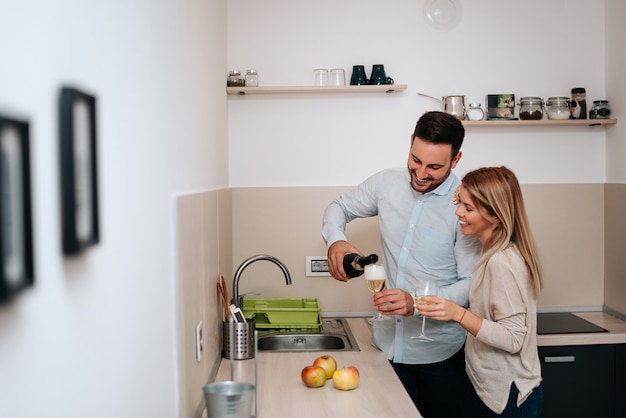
point(384, 88)
point(542, 122)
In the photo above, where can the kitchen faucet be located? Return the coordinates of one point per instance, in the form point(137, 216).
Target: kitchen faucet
point(238, 300)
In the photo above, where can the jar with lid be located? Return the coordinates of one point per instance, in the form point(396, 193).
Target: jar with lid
point(475, 112)
point(600, 110)
point(235, 79)
point(252, 78)
point(531, 108)
point(558, 108)
point(579, 104)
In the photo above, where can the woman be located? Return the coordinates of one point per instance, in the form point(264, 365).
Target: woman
point(501, 348)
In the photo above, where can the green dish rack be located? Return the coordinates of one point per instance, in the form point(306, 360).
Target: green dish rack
point(280, 313)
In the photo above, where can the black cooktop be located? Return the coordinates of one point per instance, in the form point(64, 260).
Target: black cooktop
point(564, 323)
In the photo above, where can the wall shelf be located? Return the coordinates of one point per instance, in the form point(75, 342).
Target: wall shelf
point(384, 88)
point(542, 122)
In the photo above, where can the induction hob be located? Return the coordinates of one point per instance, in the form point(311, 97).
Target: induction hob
point(564, 323)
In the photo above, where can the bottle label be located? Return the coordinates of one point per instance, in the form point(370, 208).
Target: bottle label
point(575, 109)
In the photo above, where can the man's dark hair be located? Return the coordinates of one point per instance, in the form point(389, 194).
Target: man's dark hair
point(440, 128)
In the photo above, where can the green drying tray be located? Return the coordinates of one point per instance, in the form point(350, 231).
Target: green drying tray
point(282, 312)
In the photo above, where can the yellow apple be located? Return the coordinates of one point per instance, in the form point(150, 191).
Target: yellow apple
point(346, 378)
point(313, 376)
point(328, 363)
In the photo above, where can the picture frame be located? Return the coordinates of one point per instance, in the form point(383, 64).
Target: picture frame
point(79, 173)
point(16, 231)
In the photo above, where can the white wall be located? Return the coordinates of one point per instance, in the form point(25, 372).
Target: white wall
point(530, 48)
point(96, 336)
point(615, 65)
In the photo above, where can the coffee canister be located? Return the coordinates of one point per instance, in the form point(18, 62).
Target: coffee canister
point(600, 110)
point(579, 104)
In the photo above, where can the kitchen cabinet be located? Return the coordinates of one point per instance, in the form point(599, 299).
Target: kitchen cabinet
point(383, 88)
point(582, 380)
point(620, 380)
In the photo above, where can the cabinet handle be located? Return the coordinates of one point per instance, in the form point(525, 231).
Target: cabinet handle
point(560, 359)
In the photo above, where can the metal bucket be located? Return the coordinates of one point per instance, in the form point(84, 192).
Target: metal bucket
point(228, 399)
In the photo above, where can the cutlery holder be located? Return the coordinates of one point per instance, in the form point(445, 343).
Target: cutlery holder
point(242, 339)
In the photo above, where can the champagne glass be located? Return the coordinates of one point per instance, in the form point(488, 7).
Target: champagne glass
point(375, 279)
point(426, 288)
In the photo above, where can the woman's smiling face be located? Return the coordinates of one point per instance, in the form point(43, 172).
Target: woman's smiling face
point(473, 222)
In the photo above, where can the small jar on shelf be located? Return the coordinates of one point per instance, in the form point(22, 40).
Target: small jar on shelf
point(531, 108)
point(235, 79)
point(475, 112)
point(252, 78)
point(600, 110)
point(558, 108)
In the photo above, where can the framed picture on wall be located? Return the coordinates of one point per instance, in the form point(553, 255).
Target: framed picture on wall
point(79, 174)
point(16, 237)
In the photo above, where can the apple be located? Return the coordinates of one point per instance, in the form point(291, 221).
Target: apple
point(346, 378)
point(313, 376)
point(328, 363)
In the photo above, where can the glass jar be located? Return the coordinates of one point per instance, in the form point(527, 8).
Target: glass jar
point(531, 108)
point(235, 79)
point(600, 110)
point(475, 112)
point(558, 108)
point(579, 104)
point(252, 78)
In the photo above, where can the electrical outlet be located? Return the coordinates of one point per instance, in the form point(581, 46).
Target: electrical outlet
point(317, 265)
point(199, 342)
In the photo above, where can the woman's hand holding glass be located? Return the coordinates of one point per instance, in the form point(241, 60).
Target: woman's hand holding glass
point(426, 288)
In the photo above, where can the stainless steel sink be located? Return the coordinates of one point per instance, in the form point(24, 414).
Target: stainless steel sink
point(334, 334)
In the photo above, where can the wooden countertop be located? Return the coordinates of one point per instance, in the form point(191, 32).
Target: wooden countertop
point(615, 326)
point(281, 393)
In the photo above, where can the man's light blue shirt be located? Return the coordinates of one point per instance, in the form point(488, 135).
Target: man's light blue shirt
point(420, 238)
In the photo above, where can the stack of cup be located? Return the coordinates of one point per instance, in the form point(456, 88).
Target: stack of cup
point(337, 77)
point(322, 77)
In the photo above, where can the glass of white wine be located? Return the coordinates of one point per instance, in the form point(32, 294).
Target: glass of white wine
point(426, 288)
point(375, 278)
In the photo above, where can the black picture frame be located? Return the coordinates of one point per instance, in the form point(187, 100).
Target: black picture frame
point(16, 230)
point(79, 173)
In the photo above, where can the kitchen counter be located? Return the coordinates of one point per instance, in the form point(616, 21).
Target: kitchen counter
point(615, 326)
point(281, 393)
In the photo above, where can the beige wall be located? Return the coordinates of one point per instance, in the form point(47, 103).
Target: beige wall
point(614, 255)
point(285, 222)
point(203, 228)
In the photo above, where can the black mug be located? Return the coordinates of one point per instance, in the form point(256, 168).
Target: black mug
point(358, 76)
point(378, 75)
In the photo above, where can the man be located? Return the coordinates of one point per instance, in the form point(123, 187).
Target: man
point(420, 238)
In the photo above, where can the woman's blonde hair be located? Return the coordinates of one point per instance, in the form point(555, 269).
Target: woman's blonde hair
point(497, 194)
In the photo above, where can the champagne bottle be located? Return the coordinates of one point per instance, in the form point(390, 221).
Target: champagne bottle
point(354, 264)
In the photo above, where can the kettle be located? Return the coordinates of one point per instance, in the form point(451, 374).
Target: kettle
point(453, 105)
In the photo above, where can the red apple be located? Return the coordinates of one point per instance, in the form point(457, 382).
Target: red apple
point(346, 378)
point(313, 376)
point(328, 363)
